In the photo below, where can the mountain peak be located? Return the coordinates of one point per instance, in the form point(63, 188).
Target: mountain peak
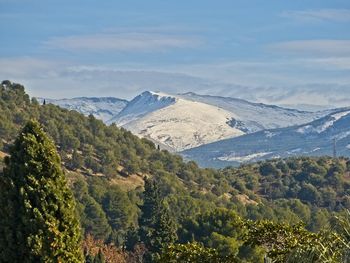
point(145, 103)
point(157, 94)
point(190, 93)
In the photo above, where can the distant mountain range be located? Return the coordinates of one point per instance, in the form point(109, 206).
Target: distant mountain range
point(219, 131)
point(103, 108)
point(317, 138)
point(188, 120)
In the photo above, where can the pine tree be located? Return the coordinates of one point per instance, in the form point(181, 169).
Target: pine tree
point(165, 230)
point(157, 229)
point(131, 239)
point(38, 222)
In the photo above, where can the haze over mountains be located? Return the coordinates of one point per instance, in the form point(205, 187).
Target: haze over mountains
point(218, 131)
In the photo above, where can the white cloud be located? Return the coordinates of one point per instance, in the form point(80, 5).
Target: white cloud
point(122, 42)
point(320, 47)
point(28, 67)
point(336, 15)
point(275, 82)
point(327, 63)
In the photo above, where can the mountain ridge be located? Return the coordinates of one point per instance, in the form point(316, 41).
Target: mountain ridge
point(182, 121)
point(102, 108)
point(148, 113)
point(311, 139)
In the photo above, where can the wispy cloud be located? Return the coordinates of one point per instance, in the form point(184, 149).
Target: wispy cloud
point(327, 63)
point(336, 15)
point(328, 47)
point(284, 81)
point(28, 67)
point(122, 42)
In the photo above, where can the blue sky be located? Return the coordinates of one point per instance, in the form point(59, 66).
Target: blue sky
point(284, 52)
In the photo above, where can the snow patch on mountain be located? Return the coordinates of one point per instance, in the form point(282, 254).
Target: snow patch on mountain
point(103, 108)
point(325, 125)
point(270, 134)
point(241, 159)
point(313, 139)
point(253, 117)
point(334, 118)
point(341, 135)
point(182, 124)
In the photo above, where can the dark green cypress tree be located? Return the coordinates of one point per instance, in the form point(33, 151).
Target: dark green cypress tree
point(165, 230)
point(157, 229)
point(38, 222)
point(131, 239)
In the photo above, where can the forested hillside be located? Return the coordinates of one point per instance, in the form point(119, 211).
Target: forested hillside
point(106, 167)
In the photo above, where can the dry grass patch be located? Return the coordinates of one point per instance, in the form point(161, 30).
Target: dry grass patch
point(128, 183)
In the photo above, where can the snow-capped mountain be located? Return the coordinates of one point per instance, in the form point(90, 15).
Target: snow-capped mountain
point(184, 121)
point(175, 122)
point(188, 120)
point(103, 108)
point(252, 117)
point(316, 138)
point(142, 105)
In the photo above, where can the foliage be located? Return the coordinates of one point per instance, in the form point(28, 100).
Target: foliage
point(286, 243)
point(157, 228)
point(94, 248)
point(37, 220)
point(106, 165)
point(222, 230)
point(193, 253)
point(272, 189)
point(278, 238)
point(97, 251)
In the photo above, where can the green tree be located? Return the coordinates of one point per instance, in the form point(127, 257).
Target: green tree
point(77, 160)
point(92, 217)
point(131, 239)
point(38, 222)
point(120, 213)
point(157, 229)
point(220, 229)
point(278, 239)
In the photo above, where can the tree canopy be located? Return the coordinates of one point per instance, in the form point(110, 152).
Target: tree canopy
point(38, 222)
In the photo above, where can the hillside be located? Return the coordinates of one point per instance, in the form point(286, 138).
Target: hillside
point(106, 167)
point(312, 139)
